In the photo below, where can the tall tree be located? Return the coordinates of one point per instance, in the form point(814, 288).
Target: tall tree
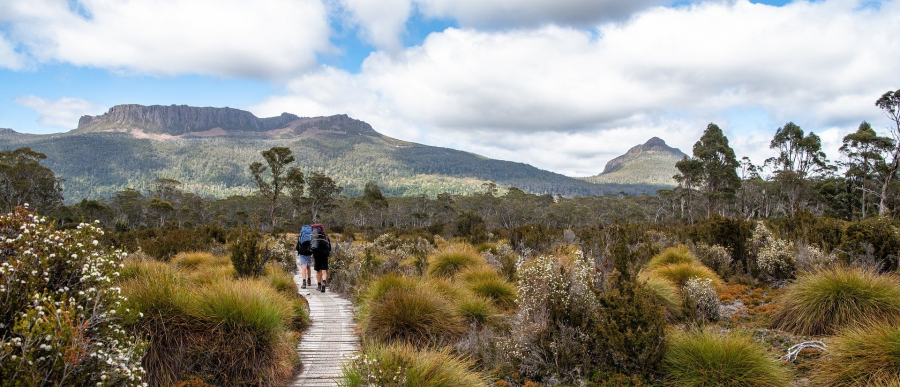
point(322, 191)
point(799, 157)
point(865, 151)
point(890, 104)
point(689, 178)
point(718, 171)
point(280, 176)
point(24, 180)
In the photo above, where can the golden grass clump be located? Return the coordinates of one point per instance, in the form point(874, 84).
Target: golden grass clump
point(680, 273)
point(703, 358)
point(672, 255)
point(485, 281)
point(419, 316)
point(453, 259)
point(826, 301)
point(406, 366)
point(280, 279)
point(667, 294)
point(197, 259)
point(863, 356)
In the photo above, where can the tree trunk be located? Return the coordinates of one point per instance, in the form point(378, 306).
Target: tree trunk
point(882, 207)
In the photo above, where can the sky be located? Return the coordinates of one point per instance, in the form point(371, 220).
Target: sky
point(564, 85)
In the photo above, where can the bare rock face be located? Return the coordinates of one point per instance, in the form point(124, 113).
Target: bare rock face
point(178, 120)
point(653, 145)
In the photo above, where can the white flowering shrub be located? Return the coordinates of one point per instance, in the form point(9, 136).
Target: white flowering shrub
point(811, 258)
point(777, 260)
point(60, 308)
point(716, 257)
point(701, 302)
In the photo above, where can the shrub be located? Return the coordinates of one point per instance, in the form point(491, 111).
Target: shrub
point(701, 303)
point(247, 255)
point(703, 358)
point(419, 316)
point(672, 255)
point(405, 366)
point(449, 262)
point(825, 301)
point(875, 240)
point(732, 234)
point(61, 314)
point(680, 273)
point(715, 257)
point(470, 226)
point(812, 258)
point(863, 356)
point(777, 259)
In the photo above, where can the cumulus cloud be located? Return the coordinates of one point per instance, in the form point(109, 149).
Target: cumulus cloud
point(667, 72)
point(382, 22)
point(274, 39)
point(62, 113)
point(8, 56)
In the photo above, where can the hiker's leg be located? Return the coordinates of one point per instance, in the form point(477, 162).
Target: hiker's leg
point(325, 275)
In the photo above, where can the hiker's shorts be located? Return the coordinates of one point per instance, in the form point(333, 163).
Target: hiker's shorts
point(321, 262)
point(305, 260)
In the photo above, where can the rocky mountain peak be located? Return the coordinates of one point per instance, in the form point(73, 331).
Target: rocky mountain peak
point(179, 120)
point(652, 146)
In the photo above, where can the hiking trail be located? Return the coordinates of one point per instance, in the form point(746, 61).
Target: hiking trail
point(329, 342)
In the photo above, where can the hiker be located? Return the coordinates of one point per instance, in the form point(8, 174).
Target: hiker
point(305, 252)
point(321, 249)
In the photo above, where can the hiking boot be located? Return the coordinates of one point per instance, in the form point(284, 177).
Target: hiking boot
point(318, 286)
point(304, 285)
point(324, 283)
point(309, 281)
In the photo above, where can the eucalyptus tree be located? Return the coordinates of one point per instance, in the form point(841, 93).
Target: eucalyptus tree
point(24, 180)
point(890, 104)
point(281, 175)
point(867, 166)
point(799, 157)
point(322, 191)
point(713, 168)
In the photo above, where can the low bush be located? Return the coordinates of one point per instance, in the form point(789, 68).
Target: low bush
point(248, 254)
point(863, 356)
point(703, 358)
point(402, 365)
point(715, 257)
point(700, 300)
point(61, 313)
point(823, 302)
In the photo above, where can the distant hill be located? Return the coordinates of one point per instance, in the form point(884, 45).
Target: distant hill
point(652, 163)
point(209, 149)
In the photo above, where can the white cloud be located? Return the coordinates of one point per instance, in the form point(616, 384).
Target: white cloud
point(382, 22)
point(8, 56)
point(62, 113)
point(667, 72)
point(530, 13)
point(265, 38)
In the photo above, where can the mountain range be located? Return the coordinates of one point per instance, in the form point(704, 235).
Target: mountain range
point(209, 149)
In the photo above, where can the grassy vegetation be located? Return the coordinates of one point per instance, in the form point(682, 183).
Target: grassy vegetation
point(862, 356)
point(826, 301)
point(705, 358)
point(447, 263)
point(403, 365)
point(203, 323)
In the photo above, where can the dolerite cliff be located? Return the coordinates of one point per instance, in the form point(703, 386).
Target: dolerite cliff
point(651, 163)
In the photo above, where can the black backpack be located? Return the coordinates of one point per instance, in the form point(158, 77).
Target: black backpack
point(320, 245)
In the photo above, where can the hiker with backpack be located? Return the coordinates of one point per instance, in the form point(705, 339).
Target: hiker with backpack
point(304, 250)
point(321, 249)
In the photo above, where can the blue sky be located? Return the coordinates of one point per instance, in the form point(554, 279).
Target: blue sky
point(499, 78)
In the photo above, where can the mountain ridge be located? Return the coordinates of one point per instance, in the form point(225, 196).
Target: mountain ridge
point(652, 163)
point(208, 150)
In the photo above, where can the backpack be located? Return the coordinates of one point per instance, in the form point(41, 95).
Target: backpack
point(304, 241)
point(320, 245)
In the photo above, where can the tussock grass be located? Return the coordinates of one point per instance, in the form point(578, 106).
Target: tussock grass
point(862, 356)
point(667, 294)
point(446, 263)
point(211, 274)
point(405, 366)
point(197, 259)
point(419, 316)
point(672, 255)
point(680, 273)
point(476, 309)
point(501, 292)
point(246, 305)
point(702, 358)
point(823, 302)
point(155, 289)
point(280, 280)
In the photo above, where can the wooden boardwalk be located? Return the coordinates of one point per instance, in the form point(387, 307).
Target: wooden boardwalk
point(330, 340)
